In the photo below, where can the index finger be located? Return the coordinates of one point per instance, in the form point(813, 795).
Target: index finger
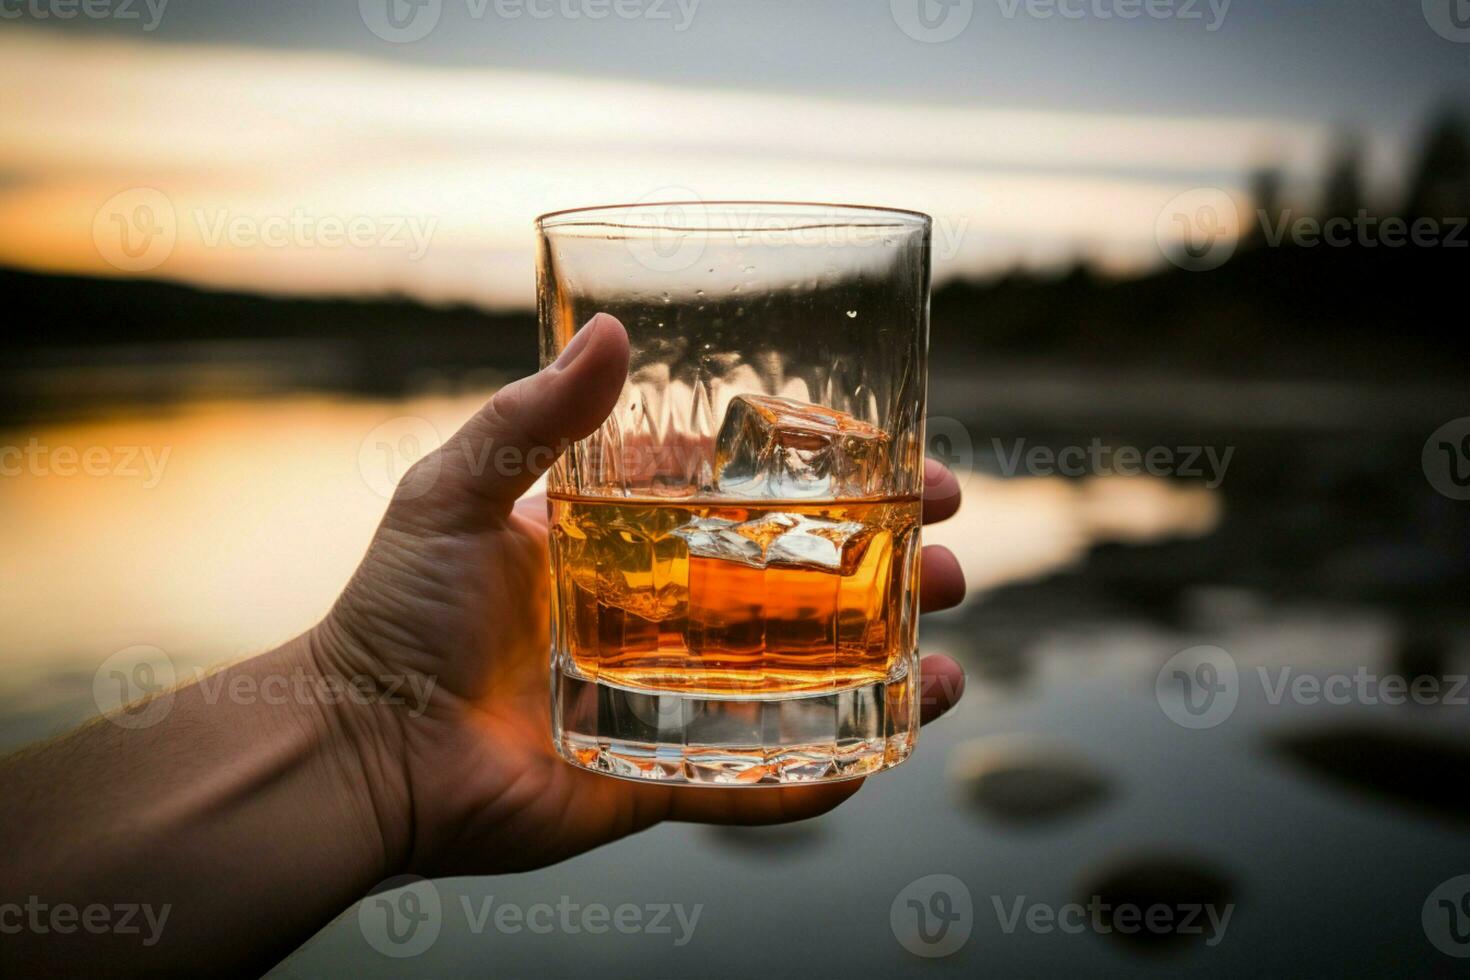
point(941, 492)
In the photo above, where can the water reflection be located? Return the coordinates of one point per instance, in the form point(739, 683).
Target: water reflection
point(1013, 530)
point(239, 533)
point(1026, 781)
point(1059, 751)
point(218, 528)
point(1197, 900)
point(1427, 773)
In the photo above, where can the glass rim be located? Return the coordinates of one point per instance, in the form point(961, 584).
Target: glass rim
point(818, 214)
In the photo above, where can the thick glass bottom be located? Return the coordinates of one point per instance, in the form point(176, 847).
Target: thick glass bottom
point(710, 741)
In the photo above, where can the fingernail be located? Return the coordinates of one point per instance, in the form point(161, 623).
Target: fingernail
point(574, 349)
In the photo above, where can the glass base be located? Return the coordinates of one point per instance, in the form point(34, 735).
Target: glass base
point(708, 741)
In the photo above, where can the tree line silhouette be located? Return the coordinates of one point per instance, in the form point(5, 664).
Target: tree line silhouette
point(1296, 306)
point(1282, 307)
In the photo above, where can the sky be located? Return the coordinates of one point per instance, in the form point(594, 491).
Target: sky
point(405, 145)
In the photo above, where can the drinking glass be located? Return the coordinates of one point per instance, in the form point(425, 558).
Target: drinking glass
point(734, 554)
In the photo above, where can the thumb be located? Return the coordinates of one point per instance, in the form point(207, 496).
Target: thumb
point(475, 477)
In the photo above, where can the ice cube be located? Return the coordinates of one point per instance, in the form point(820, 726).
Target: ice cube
point(815, 542)
point(627, 558)
point(714, 537)
point(785, 449)
point(779, 538)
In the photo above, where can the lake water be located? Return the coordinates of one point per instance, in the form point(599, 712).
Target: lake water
point(213, 529)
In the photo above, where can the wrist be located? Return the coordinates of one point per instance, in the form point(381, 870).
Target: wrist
point(361, 712)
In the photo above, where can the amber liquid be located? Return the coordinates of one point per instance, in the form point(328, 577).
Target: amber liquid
point(638, 603)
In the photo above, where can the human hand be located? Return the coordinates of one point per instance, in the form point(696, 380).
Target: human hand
point(454, 588)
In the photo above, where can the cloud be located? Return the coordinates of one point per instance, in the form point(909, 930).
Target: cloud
point(481, 151)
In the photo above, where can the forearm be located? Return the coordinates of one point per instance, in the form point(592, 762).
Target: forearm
point(232, 829)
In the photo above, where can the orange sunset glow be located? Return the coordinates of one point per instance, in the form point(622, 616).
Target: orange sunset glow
point(266, 160)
